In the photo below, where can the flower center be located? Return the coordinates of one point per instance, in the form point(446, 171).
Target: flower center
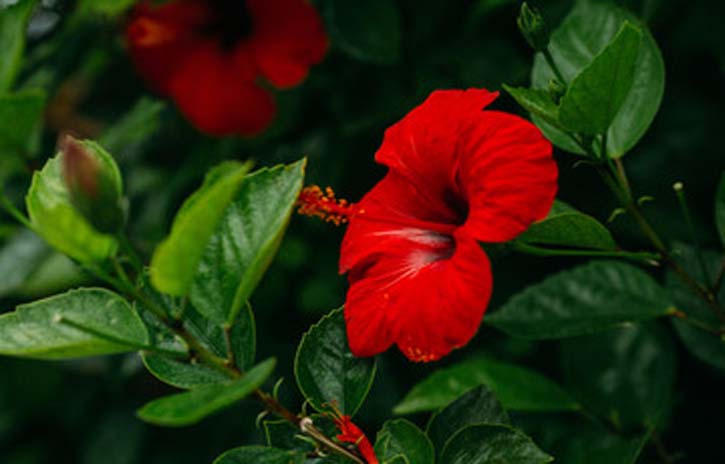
point(315, 202)
point(232, 22)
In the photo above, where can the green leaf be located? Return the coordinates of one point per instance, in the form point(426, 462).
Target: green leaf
point(516, 387)
point(180, 373)
point(260, 455)
point(245, 240)
point(327, 372)
point(704, 345)
point(282, 434)
point(594, 98)
point(400, 438)
point(176, 259)
point(586, 299)
point(13, 25)
point(478, 406)
point(19, 258)
point(105, 7)
point(43, 330)
point(56, 220)
point(537, 102)
point(565, 226)
point(25, 110)
point(194, 405)
point(368, 31)
point(625, 375)
point(492, 444)
point(590, 26)
point(243, 335)
point(720, 208)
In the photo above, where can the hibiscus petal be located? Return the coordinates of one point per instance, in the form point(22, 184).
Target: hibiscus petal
point(507, 175)
point(428, 298)
point(218, 97)
point(289, 37)
point(159, 37)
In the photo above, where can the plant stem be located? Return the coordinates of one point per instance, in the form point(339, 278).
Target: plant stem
point(228, 340)
point(660, 448)
point(695, 323)
point(10, 208)
point(635, 212)
point(553, 66)
point(679, 192)
point(642, 256)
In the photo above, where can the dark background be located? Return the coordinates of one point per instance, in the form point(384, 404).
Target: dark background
point(83, 411)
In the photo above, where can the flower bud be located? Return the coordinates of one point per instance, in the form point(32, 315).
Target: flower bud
point(532, 26)
point(556, 90)
point(94, 184)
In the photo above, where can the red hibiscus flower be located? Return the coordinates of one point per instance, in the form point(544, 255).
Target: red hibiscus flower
point(209, 56)
point(351, 433)
point(457, 176)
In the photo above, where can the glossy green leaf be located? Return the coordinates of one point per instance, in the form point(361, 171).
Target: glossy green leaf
point(517, 388)
point(537, 102)
point(574, 45)
point(327, 372)
point(368, 31)
point(492, 444)
point(595, 96)
point(245, 241)
point(180, 373)
point(703, 344)
point(567, 227)
point(176, 259)
point(13, 25)
point(243, 335)
point(19, 258)
point(49, 328)
point(25, 110)
point(477, 406)
point(720, 208)
point(625, 375)
point(401, 439)
point(586, 299)
point(194, 405)
point(260, 455)
point(56, 220)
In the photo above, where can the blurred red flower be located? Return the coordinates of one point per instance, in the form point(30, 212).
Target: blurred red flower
point(210, 56)
point(457, 176)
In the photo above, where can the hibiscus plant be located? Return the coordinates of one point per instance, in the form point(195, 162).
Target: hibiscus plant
point(463, 186)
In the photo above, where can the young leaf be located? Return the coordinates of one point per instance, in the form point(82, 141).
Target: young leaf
point(176, 259)
point(537, 102)
point(194, 405)
point(56, 220)
point(586, 299)
point(179, 373)
point(720, 208)
point(516, 387)
point(284, 435)
point(487, 444)
point(368, 31)
point(595, 96)
point(587, 30)
point(49, 328)
point(478, 406)
point(245, 240)
point(13, 24)
point(565, 226)
point(327, 372)
point(625, 375)
point(25, 110)
point(400, 438)
point(260, 455)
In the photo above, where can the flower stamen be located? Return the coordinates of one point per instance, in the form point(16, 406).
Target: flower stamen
point(316, 202)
